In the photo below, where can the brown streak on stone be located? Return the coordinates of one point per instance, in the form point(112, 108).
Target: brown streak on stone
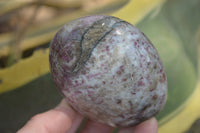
point(119, 101)
point(91, 38)
point(131, 106)
point(155, 97)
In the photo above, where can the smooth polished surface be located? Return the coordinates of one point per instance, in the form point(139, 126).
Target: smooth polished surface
point(108, 70)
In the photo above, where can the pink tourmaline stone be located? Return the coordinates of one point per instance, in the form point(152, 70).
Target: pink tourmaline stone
point(108, 70)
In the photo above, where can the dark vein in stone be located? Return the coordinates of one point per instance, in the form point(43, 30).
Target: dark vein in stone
point(85, 54)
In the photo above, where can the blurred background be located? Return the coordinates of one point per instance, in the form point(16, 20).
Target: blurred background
point(27, 27)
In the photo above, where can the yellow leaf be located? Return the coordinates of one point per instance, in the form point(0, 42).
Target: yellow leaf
point(137, 9)
point(24, 71)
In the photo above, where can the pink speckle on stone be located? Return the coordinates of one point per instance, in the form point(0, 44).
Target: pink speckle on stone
point(133, 93)
point(108, 70)
point(93, 75)
point(141, 83)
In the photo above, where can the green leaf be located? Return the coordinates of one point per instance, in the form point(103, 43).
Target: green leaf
point(173, 32)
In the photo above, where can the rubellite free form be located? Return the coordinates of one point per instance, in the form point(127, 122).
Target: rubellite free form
point(108, 70)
